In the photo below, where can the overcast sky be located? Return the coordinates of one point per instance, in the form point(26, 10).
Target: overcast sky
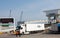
point(32, 9)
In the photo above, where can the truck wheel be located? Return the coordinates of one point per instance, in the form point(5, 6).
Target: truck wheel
point(27, 33)
point(22, 33)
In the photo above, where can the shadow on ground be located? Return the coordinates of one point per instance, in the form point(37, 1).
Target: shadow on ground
point(35, 32)
point(51, 33)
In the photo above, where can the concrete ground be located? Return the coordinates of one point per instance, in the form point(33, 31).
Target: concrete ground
point(36, 35)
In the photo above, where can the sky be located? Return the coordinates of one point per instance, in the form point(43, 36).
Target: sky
point(32, 9)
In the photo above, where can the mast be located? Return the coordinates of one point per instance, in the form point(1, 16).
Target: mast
point(21, 15)
point(10, 13)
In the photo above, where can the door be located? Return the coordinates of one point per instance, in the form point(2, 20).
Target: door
point(59, 27)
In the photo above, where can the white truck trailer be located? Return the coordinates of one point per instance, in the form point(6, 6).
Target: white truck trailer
point(27, 28)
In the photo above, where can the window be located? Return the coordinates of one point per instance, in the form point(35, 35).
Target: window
point(6, 20)
point(51, 18)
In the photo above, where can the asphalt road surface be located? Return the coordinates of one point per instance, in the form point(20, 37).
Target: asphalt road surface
point(36, 35)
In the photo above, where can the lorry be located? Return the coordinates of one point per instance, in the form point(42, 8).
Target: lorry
point(27, 28)
point(7, 24)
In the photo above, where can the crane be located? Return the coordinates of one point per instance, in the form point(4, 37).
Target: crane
point(19, 22)
point(21, 15)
